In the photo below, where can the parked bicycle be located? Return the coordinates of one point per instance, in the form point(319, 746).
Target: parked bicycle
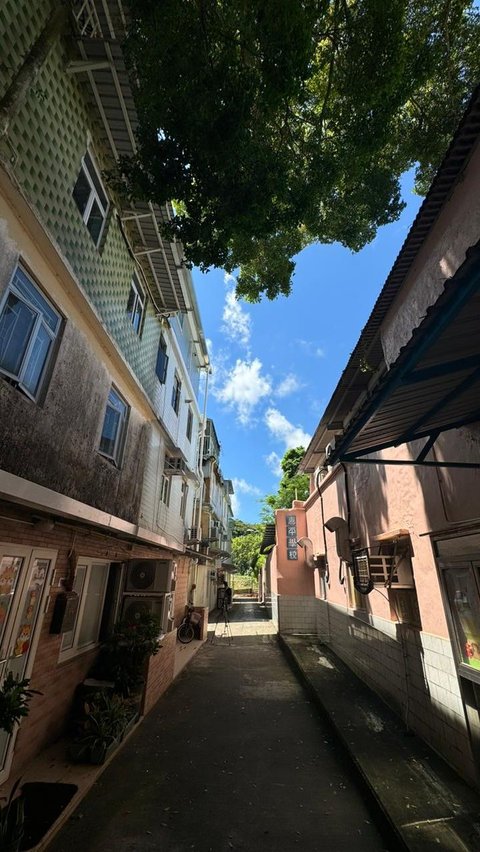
point(186, 630)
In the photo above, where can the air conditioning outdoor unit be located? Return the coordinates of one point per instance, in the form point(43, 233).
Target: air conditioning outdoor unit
point(394, 571)
point(150, 576)
point(175, 467)
point(135, 608)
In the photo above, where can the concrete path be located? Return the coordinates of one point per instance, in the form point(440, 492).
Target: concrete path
point(234, 756)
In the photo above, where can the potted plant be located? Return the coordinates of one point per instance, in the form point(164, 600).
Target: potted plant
point(124, 655)
point(15, 697)
point(99, 731)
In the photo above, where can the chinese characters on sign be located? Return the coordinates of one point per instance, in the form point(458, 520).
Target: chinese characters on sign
point(292, 548)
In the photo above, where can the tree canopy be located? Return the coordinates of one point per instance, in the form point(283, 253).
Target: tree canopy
point(275, 123)
point(293, 485)
point(246, 549)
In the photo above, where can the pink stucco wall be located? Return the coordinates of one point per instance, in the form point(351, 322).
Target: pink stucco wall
point(293, 576)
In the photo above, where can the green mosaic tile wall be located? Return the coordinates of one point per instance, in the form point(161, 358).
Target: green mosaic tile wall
point(49, 136)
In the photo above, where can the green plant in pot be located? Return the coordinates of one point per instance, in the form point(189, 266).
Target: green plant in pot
point(15, 697)
point(105, 718)
point(124, 655)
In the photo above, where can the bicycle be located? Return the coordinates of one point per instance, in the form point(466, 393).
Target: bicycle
point(185, 632)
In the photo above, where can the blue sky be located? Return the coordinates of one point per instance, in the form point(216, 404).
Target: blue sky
point(276, 364)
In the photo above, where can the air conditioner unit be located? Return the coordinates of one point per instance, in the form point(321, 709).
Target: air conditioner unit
point(394, 571)
point(174, 466)
point(135, 608)
point(192, 536)
point(149, 576)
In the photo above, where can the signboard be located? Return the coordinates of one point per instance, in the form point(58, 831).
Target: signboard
point(292, 547)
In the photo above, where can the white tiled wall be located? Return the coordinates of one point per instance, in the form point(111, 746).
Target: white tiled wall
point(296, 614)
point(414, 672)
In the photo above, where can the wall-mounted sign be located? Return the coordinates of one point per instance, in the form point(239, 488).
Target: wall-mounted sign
point(292, 547)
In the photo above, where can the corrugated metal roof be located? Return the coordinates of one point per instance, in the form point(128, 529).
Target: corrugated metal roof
point(435, 382)
point(355, 381)
point(268, 537)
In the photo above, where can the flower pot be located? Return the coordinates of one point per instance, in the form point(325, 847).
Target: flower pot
point(98, 754)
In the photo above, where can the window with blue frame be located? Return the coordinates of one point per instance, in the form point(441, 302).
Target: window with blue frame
point(29, 326)
point(162, 361)
point(114, 427)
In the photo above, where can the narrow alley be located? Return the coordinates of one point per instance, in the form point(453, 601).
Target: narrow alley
point(234, 756)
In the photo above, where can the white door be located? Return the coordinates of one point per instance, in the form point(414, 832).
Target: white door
point(25, 577)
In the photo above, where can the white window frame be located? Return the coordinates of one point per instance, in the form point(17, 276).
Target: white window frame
point(165, 489)
point(121, 433)
point(94, 196)
point(19, 288)
point(139, 301)
point(75, 650)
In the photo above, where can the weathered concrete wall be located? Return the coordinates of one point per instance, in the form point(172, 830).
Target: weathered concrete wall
point(56, 444)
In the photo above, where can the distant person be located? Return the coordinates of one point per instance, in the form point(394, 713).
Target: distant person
point(227, 596)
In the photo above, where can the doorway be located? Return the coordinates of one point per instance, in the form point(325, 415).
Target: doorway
point(25, 576)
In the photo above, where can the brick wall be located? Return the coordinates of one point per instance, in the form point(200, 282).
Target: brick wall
point(181, 588)
point(56, 681)
point(159, 672)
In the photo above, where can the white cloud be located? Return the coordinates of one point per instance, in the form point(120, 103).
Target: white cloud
point(240, 485)
point(236, 322)
point(281, 428)
point(289, 385)
point(311, 348)
point(273, 462)
point(235, 505)
point(244, 387)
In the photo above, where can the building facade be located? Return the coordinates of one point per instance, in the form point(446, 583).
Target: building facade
point(382, 561)
point(101, 353)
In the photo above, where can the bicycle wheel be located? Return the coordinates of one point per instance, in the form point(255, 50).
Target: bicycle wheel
point(185, 633)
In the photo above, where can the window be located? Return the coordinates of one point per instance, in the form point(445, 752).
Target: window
point(136, 305)
point(183, 502)
point(114, 427)
point(189, 424)
point(162, 360)
point(90, 585)
point(29, 325)
point(176, 390)
point(91, 198)
point(165, 489)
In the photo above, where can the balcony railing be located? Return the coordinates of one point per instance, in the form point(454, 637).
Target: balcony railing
point(86, 17)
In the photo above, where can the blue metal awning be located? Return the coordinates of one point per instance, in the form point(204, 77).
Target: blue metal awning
point(433, 386)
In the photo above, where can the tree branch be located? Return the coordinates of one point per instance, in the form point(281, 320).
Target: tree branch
point(26, 76)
